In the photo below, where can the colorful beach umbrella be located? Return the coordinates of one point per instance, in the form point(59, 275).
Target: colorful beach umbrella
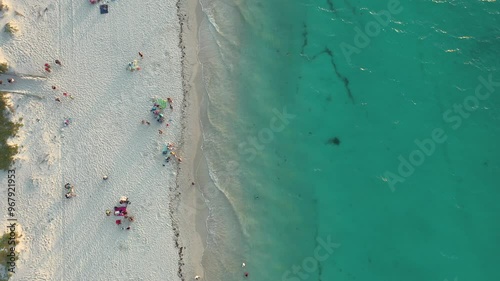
point(162, 103)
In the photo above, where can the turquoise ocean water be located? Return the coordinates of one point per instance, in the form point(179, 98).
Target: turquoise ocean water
point(337, 155)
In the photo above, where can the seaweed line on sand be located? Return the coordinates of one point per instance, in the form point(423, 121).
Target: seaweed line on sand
point(174, 191)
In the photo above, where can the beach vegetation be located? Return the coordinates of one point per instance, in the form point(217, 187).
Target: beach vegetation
point(4, 67)
point(11, 28)
point(8, 241)
point(8, 129)
point(3, 7)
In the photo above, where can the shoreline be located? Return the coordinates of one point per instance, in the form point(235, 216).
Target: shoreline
point(187, 212)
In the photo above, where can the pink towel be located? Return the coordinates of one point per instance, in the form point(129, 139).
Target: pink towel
point(121, 209)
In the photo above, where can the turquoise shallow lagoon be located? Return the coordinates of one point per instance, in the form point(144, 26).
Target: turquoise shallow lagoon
point(352, 140)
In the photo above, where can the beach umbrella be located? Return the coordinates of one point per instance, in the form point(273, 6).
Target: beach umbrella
point(162, 103)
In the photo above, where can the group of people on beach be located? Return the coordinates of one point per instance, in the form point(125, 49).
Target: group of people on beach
point(70, 191)
point(10, 80)
point(168, 151)
point(47, 65)
point(121, 211)
point(158, 113)
point(48, 68)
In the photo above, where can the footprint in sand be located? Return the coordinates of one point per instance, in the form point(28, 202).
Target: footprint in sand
point(153, 69)
point(122, 244)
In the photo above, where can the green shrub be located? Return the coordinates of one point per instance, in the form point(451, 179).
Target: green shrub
point(4, 67)
point(3, 7)
point(11, 28)
point(7, 129)
point(5, 250)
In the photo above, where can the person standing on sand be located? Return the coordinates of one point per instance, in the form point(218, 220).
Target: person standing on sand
point(170, 103)
point(58, 62)
point(141, 55)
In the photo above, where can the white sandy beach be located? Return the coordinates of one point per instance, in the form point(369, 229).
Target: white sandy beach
point(73, 239)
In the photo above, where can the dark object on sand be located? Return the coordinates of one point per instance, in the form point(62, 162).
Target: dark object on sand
point(58, 62)
point(104, 9)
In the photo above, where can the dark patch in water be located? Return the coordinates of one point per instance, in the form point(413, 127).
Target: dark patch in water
point(304, 34)
point(334, 141)
point(320, 271)
point(331, 7)
point(339, 75)
point(350, 6)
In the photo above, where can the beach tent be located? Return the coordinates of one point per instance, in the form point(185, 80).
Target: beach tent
point(104, 9)
point(162, 103)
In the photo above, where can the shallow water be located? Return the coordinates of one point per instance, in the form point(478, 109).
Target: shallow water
point(306, 126)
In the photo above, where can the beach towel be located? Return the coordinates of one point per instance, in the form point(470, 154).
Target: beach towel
point(162, 103)
point(104, 9)
point(121, 209)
